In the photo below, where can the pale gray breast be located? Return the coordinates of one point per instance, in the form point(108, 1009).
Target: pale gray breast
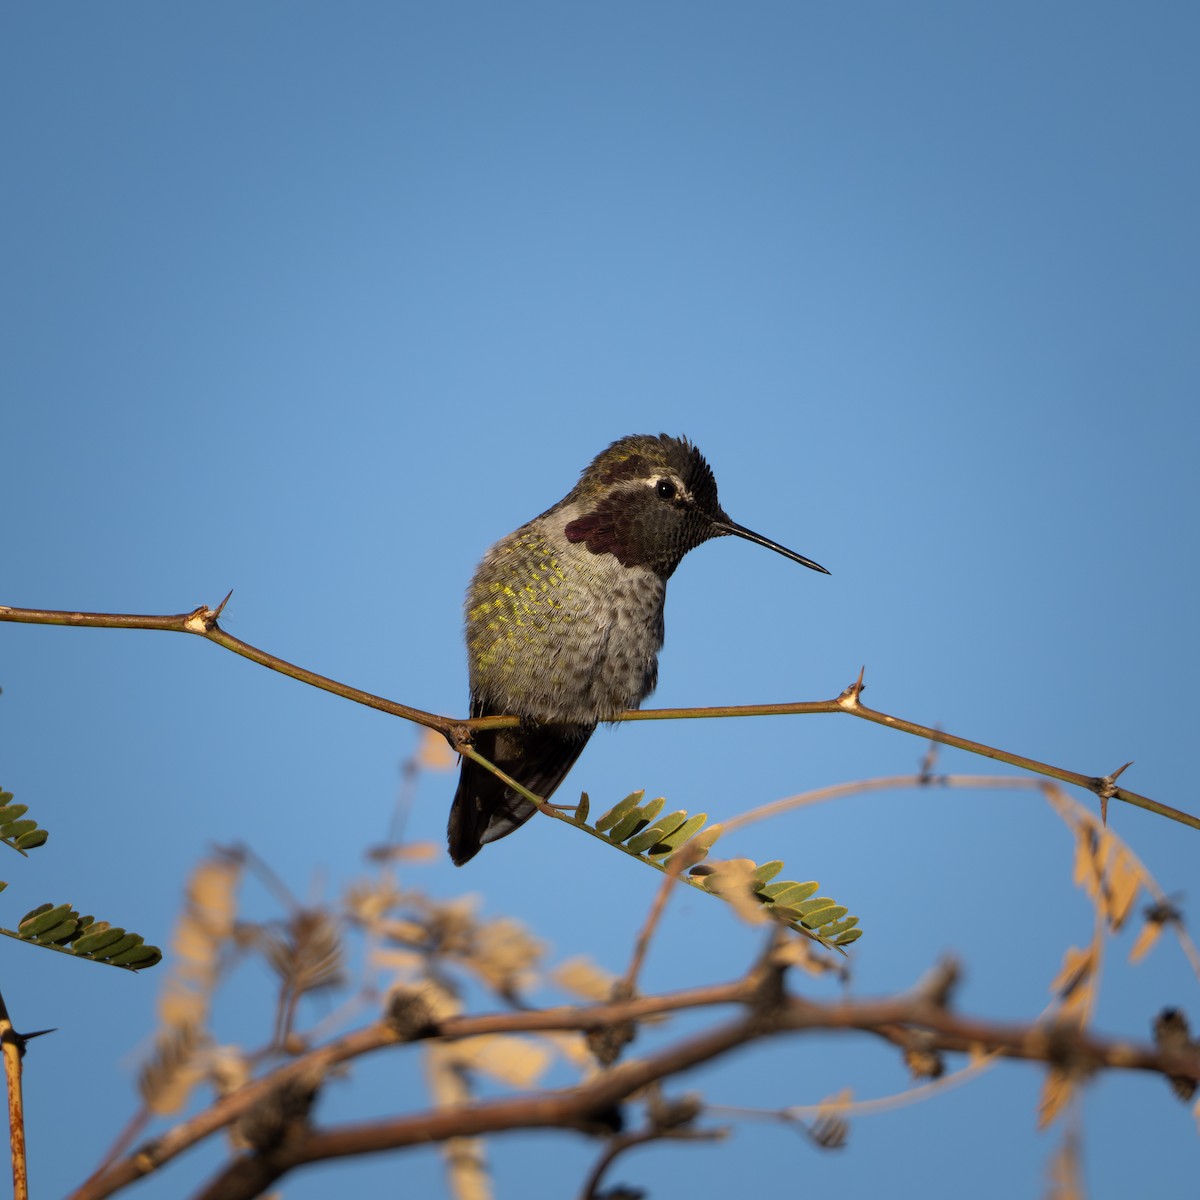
point(630, 627)
point(559, 634)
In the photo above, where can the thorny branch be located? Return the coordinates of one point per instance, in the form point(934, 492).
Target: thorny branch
point(12, 1048)
point(768, 1013)
point(203, 622)
point(916, 1018)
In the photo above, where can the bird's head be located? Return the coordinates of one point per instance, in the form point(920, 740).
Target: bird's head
point(648, 501)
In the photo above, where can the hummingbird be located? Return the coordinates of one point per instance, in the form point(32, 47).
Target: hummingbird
point(564, 620)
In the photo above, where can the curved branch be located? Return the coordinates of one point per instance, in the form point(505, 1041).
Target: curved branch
point(149, 1157)
point(587, 1105)
point(894, 1020)
point(642, 1137)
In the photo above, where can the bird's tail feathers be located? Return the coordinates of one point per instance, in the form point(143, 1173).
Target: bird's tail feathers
point(536, 756)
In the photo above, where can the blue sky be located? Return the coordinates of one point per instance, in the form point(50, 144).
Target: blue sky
point(316, 301)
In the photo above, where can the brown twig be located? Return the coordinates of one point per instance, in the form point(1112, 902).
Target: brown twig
point(629, 983)
point(375, 1037)
point(894, 1020)
point(121, 1143)
point(849, 702)
point(627, 1141)
point(12, 1045)
point(202, 621)
point(882, 783)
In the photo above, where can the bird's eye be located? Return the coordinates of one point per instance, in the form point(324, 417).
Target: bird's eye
point(665, 488)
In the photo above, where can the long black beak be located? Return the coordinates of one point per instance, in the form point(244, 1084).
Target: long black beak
point(728, 526)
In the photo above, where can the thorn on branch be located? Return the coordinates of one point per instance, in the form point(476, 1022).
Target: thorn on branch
point(203, 619)
point(20, 1039)
point(849, 698)
point(1106, 789)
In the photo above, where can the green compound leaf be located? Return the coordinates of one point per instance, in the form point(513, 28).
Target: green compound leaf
point(639, 830)
point(17, 831)
point(60, 927)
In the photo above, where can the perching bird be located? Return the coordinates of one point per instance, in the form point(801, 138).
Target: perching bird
point(565, 620)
